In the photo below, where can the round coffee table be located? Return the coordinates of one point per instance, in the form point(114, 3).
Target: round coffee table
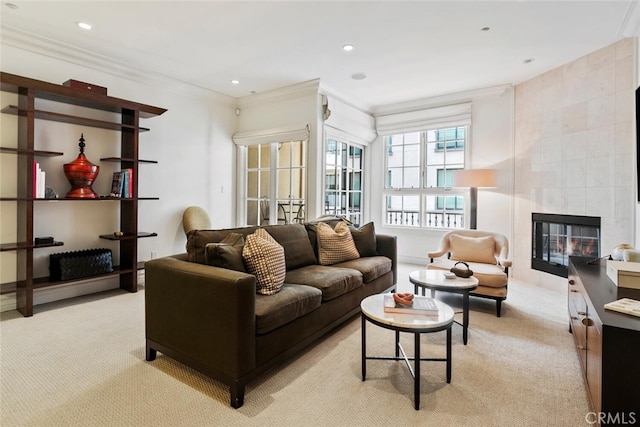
point(372, 309)
point(436, 281)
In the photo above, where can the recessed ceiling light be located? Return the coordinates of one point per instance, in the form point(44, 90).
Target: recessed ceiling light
point(359, 76)
point(235, 82)
point(84, 25)
point(529, 60)
point(347, 47)
point(485, 29)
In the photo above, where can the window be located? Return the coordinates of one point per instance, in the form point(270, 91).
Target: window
point(419, 175)
point(343, 180)
point(275, 183)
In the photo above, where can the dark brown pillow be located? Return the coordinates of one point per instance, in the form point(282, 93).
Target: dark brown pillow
point(365, 239)
point(197, 240)
point(227, 253)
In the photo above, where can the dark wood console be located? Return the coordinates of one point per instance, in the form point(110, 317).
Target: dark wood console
point(608, 343)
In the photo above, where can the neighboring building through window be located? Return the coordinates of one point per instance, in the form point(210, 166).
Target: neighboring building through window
point(419, 175)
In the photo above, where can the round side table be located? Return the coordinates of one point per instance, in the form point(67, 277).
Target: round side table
point(373, 311)
point(435, 280)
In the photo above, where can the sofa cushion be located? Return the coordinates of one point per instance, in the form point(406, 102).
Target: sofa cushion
point(291, 302)
point(197, 240)
point(332, 281)
point(264, 258)
point(473, 249)
point(370, 267)
point(335, 245)
point(365, 240)
point(227, 253)
point(298, 251)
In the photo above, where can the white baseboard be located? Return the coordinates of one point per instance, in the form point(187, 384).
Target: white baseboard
point(413, 260)
point(67, 290)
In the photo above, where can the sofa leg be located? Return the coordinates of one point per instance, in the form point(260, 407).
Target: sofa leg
point(151, 354)
point(498, 307)
point(237, 395)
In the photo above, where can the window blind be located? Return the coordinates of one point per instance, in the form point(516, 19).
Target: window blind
point(267, 136)
point(413, 121)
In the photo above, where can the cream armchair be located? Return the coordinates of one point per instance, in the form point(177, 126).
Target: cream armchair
point(487, 255)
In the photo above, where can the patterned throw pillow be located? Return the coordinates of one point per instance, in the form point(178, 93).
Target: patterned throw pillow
point(335, 245)
point(264, 258)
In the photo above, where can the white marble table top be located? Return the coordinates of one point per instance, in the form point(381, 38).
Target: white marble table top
point(373, 308)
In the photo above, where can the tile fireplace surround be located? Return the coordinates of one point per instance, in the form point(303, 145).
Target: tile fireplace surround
point(575, 150)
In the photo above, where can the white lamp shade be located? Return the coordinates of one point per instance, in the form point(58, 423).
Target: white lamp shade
point(474, 178)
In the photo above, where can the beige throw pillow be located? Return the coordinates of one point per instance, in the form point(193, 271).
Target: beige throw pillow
point(335, 245)
point(264, 258)
point(473, 249)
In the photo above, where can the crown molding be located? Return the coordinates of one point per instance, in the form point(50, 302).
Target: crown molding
point(442, 100)
point(332, 93)
point(630, 25)
point(285, 93)
point(67, 53)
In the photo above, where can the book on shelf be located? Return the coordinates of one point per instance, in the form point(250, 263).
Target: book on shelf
point(421, 305)
point(38, 177)
point(116, 184)
point(127, 184)
point(625, 305)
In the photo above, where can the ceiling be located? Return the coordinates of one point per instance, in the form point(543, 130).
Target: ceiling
point(407, 50)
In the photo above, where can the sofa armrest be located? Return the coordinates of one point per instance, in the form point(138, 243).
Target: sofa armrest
point(204, 313)
point(387, 245)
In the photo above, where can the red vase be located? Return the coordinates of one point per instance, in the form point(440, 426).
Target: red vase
point(81, 173)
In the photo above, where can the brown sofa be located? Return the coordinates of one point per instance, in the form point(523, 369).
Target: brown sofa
point(211, 318)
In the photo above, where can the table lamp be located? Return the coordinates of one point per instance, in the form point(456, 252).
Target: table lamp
point(474, 178)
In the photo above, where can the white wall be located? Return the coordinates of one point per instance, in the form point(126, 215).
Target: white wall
point(190, 142)
point(491, 146)
point(291, 106)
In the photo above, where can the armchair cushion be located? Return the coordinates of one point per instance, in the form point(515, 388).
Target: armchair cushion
point(492, 276)
point(473, 249)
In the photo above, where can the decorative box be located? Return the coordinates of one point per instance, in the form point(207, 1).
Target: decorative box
point(75, 84)
point(73, 265)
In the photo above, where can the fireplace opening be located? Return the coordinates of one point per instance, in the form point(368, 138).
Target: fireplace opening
point(557, 237)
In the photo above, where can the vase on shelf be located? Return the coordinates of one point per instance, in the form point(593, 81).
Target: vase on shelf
point(81, 173)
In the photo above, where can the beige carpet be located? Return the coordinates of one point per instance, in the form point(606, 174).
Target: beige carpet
point(81, 363)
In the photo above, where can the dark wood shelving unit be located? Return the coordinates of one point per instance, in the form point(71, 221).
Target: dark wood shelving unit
point(140, 235)
point(24, 245)
point(130, 113)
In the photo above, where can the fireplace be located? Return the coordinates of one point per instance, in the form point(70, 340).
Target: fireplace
point(556, 237)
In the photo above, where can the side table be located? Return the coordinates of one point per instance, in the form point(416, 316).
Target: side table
point(435, 280)
point(372, 309)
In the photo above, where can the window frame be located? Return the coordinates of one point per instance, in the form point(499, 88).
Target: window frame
point(424, 192)
point(345, 191)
